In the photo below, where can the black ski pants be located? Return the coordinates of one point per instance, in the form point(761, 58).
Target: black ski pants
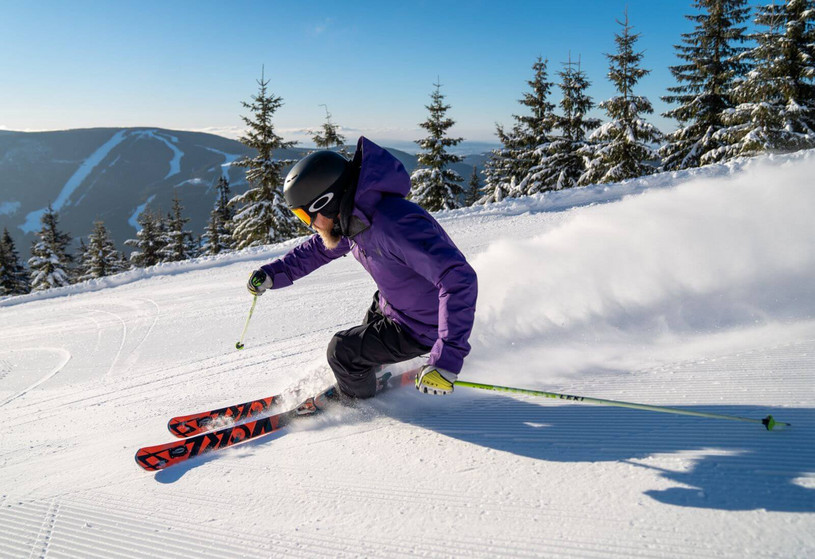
point(355, 354)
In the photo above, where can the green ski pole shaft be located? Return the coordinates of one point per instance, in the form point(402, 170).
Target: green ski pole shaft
point(768, 421)
point(239, 344)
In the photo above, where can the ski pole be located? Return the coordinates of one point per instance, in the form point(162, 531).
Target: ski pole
point(768, 421)
point(239, 344)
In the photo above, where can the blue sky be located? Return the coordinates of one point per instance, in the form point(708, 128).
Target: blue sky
point(188, 65)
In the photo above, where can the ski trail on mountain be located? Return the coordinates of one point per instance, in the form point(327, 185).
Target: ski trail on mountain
point(79, 176)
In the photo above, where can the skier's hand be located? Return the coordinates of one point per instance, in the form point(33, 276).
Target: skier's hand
point(435, 380)
point(258, 282)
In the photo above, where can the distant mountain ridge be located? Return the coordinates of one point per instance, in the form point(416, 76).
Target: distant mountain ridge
point(113, 174)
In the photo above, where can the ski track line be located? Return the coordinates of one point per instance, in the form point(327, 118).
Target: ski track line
point(235, 363)
point(87, 316)
point(194, 369)
point(99, 333)
point(121, 344)
point(148, 392)
point(152, 325)
point(144, 392)
point(66, 355)
point(135, 382)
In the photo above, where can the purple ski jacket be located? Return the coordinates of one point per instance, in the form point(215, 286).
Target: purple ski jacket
point(425, 283)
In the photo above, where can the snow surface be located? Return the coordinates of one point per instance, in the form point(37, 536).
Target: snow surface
point(175, 162)
point(134, 217)
point(691, 290)
point(229, 160)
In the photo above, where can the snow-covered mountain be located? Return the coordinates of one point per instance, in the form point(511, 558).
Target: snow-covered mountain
point(692, 290)
point(113, 174)
point(109, 174)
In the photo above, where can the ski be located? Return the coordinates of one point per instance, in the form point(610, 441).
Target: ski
point(159, 457)
point(184, 426)
point(194, 424)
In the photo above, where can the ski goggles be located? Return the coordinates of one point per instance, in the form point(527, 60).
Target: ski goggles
point(327, 204)
point(304, 216)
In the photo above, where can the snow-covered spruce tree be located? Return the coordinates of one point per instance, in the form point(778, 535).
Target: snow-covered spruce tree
point(504, 166)
point(178, 244)
point(218, 235)
point(525, 145)
point(435, 185)
point(330, 137)
point(13, 277)
point(776, 100)
point(713, 62)
point(262, 216)
point(148, 242)
point(621, 147)
point(100, 257)
point(562, 164)
point(50, 262)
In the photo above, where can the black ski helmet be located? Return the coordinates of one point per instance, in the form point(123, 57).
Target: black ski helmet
point(316, 184)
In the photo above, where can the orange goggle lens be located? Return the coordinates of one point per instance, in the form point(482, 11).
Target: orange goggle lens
point(303, 215)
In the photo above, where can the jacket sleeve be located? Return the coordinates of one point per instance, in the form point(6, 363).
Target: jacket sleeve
point(423, 245)
point(302, 260)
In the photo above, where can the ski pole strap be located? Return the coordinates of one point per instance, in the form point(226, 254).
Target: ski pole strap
point(768, 421)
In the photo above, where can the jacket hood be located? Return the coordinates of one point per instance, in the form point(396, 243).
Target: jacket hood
point(379, 174)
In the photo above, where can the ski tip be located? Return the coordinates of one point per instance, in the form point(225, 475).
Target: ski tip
point(145, 466)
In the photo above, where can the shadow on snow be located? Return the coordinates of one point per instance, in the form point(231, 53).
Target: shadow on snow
point(735, 465)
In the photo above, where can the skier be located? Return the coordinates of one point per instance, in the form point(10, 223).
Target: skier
point(426, 289)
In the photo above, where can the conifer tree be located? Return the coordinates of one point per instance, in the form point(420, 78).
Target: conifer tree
point(263, 215)
point(621, 146)
point(474, 190)
point(504, 166)
point(525, 145)
point(79, 271)
point(178, 243)
point(563, 163)
point(330, 137)
point(776, 100)
point(435, 185)
point(13, 277)
point(50, 262)
point(148, 242)
point(712, 64)
point(100, 257)
point(219, 228)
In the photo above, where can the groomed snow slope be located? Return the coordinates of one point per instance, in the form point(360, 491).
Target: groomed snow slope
point(692, 290)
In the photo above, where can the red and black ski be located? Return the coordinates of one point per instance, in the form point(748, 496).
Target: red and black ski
point(194, 424)
point(154, 458)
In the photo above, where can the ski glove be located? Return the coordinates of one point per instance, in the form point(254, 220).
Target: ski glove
point(434, 380)
point(258, 282)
